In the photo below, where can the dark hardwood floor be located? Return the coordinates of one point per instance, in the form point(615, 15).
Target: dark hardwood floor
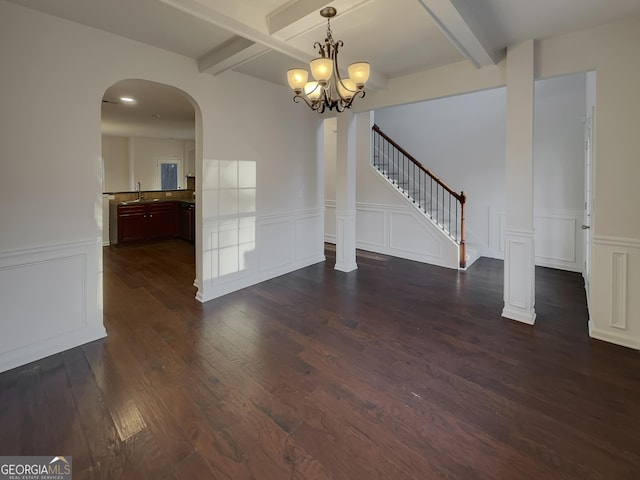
point(396, 371)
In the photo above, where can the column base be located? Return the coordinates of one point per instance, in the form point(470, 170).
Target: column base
point(346, 267)
point(346, 241)
point(520, 315)
point(519, 276)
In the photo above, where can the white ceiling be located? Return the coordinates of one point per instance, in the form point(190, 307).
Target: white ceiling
point(264, 38)
point(158, 111)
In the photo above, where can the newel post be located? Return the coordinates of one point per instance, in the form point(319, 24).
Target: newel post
point(463, 245)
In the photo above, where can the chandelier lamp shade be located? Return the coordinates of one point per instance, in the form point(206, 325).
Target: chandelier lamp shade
point(328, 90)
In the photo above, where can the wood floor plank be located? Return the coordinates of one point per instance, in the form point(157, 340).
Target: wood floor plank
point(398, 370)
point(106, 448)
point(10, 398)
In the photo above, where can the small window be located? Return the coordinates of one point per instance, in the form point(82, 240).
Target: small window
point(169, 176)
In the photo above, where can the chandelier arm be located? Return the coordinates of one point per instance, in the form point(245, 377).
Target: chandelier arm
point(360, 92)
point(326, 97)
point(321, 49)
point(297, 98)
point(338, 77)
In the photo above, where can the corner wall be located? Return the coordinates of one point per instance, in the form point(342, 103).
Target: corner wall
point(610, 50)
point(386, 222)
point(461, 139)
point(50, 137)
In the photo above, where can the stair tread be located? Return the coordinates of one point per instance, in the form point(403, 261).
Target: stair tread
point(417, 192)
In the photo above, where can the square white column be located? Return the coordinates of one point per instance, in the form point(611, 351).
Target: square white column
point(346, 193)
point(519, 257)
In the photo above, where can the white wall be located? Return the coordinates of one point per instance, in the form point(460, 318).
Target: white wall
point(330, 158)
point(560, 110)
point(190, 157)
point(261, 183)
point(148, 152)
point(461, 139)
point(610, 50)
point(115, 157)
point(385, 221)
point(558, 155)
point(50, 129)
point(128, 160)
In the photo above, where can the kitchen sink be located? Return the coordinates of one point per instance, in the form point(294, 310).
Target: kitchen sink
point(133, 202)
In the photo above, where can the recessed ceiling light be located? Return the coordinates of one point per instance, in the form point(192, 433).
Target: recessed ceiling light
point(127, 99)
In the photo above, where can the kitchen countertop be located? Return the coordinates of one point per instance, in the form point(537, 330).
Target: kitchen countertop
point(154, 200)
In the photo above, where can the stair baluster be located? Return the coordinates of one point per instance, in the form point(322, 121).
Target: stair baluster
point(411, 177)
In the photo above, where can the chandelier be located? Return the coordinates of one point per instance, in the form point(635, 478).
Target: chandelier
point(329, 90)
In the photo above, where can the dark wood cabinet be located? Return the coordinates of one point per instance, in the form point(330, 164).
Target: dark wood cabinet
point(132, 223)
point(187, 221)
point(162, 220)
point(148, 221)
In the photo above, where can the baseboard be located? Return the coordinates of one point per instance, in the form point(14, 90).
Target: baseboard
point(519, 315)
point(346, 267)
point(616, 339)
point(219, 289)
point(50, 346)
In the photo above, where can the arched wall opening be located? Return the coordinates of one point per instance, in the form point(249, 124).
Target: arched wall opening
point(151, 151)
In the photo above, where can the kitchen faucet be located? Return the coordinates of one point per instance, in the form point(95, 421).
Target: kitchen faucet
point(139, 190)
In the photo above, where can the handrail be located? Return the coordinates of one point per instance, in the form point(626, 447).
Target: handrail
point(420, 190)
point(460, 196)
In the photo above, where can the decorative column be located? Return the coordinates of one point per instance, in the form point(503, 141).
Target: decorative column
point(519, 254)
point(346, 193)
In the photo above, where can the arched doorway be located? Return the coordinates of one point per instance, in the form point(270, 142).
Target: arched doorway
point(151, 147)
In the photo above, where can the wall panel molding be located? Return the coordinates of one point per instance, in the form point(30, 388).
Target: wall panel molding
point(262, 247)
point(614, 309)
point(519, 291)
point(398, 231)
point(613, 337)
point(558, 238)
point(67, 312)
point(619, 287)
point(616, 241)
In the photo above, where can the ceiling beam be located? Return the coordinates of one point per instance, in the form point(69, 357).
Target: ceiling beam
point(291, 14)
point(230, 54)
point(248, 33)
point(457, 22)
point(219, 19)
point(297, 18)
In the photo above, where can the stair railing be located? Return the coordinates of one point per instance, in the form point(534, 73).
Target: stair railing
point(434, 197)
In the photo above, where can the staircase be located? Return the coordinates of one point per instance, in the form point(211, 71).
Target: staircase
point(437, 201)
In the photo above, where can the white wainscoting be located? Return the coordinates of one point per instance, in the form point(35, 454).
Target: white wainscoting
point(51, 300)
point(330, 221)
point(242, 251)
point(558, 238)
point(105, 219)
point(615, 304)
point(519, 278)
point(397, 231)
